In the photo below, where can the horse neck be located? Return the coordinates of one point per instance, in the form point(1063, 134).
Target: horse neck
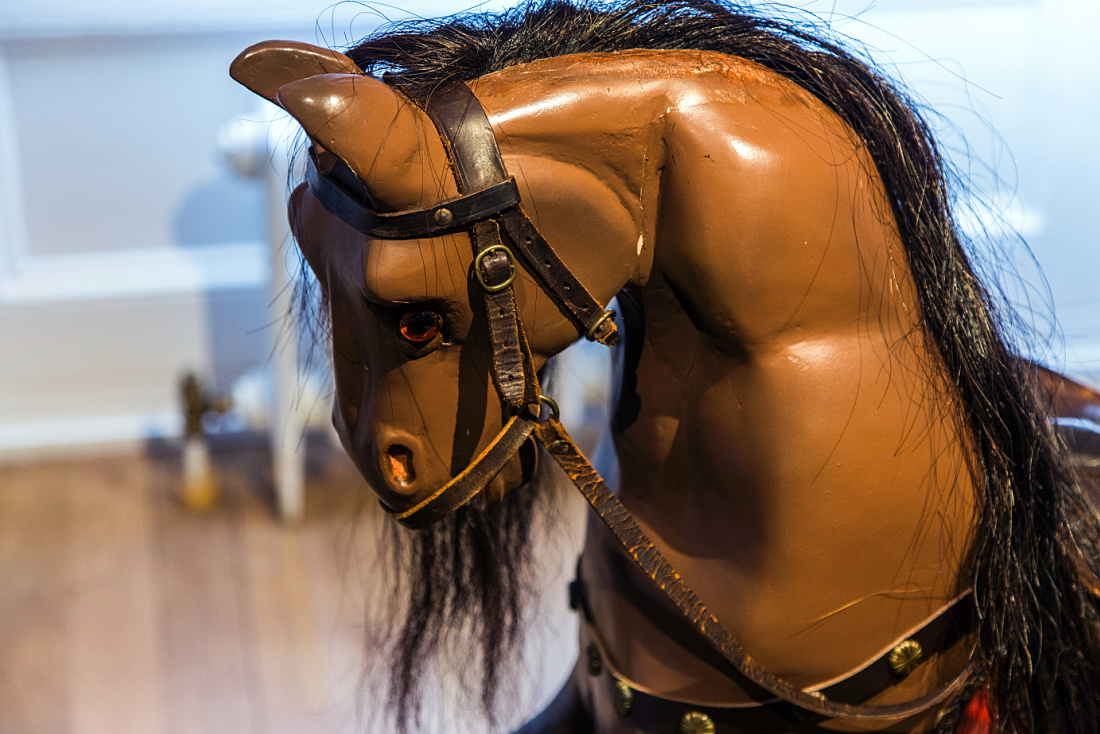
point(603, 114)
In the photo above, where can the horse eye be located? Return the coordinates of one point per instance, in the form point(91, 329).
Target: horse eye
point(419, 327)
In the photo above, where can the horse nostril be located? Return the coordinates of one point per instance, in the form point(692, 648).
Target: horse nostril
point(399, 460)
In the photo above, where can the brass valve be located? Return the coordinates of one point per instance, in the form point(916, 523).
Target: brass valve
point(200, 491)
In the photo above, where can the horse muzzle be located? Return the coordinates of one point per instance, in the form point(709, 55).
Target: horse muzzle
point(415, 505)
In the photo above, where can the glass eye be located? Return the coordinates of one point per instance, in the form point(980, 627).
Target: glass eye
point(420, 327)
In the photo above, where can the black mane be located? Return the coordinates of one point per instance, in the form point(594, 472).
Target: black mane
point(1036, 542)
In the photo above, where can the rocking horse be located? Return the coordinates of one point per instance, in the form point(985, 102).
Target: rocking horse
point(838, 505)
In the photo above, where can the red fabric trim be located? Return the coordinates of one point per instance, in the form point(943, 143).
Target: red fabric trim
point(975, 717)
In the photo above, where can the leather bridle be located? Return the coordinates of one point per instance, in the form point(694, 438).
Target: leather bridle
point(489, 205)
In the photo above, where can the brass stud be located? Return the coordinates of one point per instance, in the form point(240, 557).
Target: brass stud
point(906, 657)
point(696, 722)
point(623, 697)
point(595, 664)
point(443, 217)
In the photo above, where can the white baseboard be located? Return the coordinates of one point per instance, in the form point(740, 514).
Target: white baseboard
point(100, 434)
point(128, 274)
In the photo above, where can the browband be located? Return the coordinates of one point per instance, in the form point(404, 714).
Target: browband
point(447, 217)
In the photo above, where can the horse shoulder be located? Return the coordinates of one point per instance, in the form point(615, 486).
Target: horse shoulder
point(774, 213)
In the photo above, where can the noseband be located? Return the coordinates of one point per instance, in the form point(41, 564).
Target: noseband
point(489, 204)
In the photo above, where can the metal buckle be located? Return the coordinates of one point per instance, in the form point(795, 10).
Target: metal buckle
point(481, 275)
point(555, 412)
point(590, 335)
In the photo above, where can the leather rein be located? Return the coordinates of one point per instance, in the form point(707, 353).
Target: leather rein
point(489, 205)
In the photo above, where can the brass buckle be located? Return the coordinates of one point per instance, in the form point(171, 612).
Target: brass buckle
point(481, 275)
point(555, 413)
point(590, 335)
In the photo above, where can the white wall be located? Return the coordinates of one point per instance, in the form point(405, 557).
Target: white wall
point(1019, 80)
point(128, 253)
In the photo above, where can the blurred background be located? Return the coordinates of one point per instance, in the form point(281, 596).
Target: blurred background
point(141, 240)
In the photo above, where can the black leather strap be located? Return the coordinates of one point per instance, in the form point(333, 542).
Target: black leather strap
point(446, 217)
point(475, 158)
point(556, 278)
point(513, 368)
point(652, 713)
point(935, 635)
point(462, 124)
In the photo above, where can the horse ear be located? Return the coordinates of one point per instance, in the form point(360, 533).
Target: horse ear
point(336, 111)
point(266, 66)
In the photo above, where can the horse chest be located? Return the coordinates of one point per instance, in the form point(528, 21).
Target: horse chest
point(777, 464)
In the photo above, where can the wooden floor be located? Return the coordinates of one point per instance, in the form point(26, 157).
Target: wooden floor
point(122, 612)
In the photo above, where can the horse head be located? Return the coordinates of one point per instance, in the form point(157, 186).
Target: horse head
point(415, 405)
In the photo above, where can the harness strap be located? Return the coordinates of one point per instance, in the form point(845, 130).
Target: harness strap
point(555, 277)
point(513, 368)
point(552, 434)
point(471, 480)
point(477, 165)
point(650, 712)
point(475, 155)
point(343, 196)
point(935, 635)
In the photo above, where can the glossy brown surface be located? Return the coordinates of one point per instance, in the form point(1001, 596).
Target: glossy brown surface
point(784, 430)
